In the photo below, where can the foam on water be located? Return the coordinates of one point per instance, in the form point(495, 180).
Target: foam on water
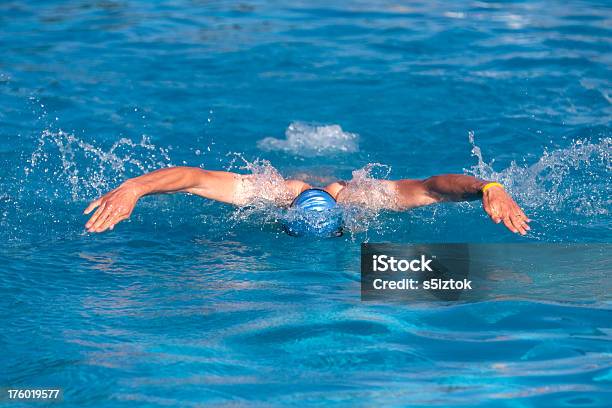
point(302, 139)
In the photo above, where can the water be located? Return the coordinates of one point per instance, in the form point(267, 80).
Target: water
point(194, 303)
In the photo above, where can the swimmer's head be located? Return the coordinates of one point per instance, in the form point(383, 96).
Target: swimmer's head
point(313, 213)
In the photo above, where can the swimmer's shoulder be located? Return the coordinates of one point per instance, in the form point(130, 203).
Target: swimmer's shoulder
point(335, 188)
point(297, 186)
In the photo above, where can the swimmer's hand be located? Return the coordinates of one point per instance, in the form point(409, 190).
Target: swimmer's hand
point(113, 207)
point(501, 207)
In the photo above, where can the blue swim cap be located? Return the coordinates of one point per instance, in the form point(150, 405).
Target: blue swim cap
point(313, 213)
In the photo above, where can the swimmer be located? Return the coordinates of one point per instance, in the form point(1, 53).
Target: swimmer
point(315, 206)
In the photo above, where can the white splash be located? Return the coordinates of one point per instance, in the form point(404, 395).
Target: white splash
point(307, 140)
point(576, 179)
point(264, 185)
point(368, 188)
point(366, 196)
point(89, 169)
point(265, 196)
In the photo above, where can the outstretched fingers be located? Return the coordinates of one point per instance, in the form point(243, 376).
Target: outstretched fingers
point(94, 218)
point(112, 221)
point(516, 220)
point(519, 219)
point(509, 225)
point(92, 205)
point(518, 225)
point(101, 219)
point(522, 215)
point(522, 223)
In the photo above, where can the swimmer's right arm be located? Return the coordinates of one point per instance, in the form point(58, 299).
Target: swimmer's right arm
point(118, 204)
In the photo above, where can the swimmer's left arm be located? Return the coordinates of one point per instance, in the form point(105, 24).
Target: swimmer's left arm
point(496, 201)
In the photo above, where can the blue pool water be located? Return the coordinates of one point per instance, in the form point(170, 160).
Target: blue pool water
point(191, 303)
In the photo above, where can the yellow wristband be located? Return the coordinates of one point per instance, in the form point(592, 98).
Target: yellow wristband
point(489, 185)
